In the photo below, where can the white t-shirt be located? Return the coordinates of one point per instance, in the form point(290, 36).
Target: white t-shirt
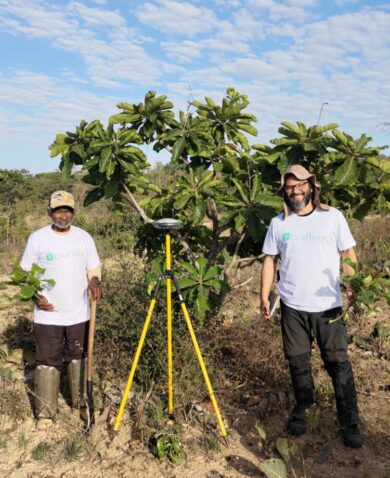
point(66, 258)
point(309, 247)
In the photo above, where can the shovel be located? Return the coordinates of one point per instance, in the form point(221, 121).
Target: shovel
point(89, 402)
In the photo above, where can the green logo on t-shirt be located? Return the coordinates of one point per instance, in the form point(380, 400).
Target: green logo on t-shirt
point(50, 257)
point(286, 236)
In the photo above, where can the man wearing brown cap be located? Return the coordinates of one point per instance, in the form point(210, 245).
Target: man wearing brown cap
point(61, 314)
point(310, 238)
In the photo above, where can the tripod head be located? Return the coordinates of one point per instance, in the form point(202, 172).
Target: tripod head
point(167, 224)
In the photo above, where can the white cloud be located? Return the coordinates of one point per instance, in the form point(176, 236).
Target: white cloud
point(247, 25)
point(173, 17)
point(277, 11)
point(184, 52)
point(95, 16)
point(254, 69)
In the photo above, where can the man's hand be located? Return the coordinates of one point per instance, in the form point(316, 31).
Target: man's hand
point(264, 308)
point(94, 290)
point(42, 303)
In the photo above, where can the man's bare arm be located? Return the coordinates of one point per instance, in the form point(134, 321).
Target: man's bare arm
point(267, 280)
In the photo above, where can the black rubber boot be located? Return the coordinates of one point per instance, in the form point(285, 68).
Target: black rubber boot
point(303, 387)
point(346, 403)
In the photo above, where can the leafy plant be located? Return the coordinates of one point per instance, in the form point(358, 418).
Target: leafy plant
point(169, 446)
point(368, 289)
point(29, 282)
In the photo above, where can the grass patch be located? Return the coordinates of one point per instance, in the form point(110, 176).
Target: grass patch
point(74, 449)
point(41, 451)
point(23, 441)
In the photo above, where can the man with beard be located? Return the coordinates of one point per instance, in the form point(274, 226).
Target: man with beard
point(61, 313)
point(310, 237)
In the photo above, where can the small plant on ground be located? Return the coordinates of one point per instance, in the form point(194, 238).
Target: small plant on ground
point(211, 443)
point(3, 443)
point(169, 446)
point(156, 415)
point(23, 440)
point(41, 451)
point(74, 449)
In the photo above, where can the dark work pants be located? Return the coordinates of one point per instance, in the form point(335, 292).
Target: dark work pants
point(57, 345)
point(299, 329)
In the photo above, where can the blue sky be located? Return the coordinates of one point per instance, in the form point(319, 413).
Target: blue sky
point(64, 61)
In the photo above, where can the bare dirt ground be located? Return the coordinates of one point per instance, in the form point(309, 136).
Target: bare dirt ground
point(243, 393)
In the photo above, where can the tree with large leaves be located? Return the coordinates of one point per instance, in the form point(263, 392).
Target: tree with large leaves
point(223, 187)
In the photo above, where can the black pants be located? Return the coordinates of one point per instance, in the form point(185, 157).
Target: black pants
point(299, 329)
point(57, 345)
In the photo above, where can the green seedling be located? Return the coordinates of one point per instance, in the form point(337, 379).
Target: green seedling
point(169, 446)
point(30, 282)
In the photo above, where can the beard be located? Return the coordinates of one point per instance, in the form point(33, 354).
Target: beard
point(299, 205)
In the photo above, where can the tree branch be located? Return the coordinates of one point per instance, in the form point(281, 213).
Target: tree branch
point(185, 245)
point(133, 203)
point(242, 283)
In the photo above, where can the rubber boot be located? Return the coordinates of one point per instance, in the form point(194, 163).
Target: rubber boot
point(346, 403)
point(47, 384)
point(303, 387)
point(77, 379)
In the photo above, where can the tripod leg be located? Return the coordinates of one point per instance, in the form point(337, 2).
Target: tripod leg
point(137, 355)
point(200, 359)
point(169, 322)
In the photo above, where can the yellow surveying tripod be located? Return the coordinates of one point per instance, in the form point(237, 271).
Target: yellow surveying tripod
point(168, 225)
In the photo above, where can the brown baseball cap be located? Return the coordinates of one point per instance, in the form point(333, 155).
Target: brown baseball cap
point(61, 199)
point(300, 173)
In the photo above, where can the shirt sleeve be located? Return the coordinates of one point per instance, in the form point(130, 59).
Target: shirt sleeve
point(270, 246)
point(93, 260)
point(345, 239)
point(29, 256)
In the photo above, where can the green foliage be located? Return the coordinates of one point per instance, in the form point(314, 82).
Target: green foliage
point(368, 288)
point(169, 446)
point(222, 187)
point(30, 282)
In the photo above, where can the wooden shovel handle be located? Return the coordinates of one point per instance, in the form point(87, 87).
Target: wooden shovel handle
point(91, 337)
